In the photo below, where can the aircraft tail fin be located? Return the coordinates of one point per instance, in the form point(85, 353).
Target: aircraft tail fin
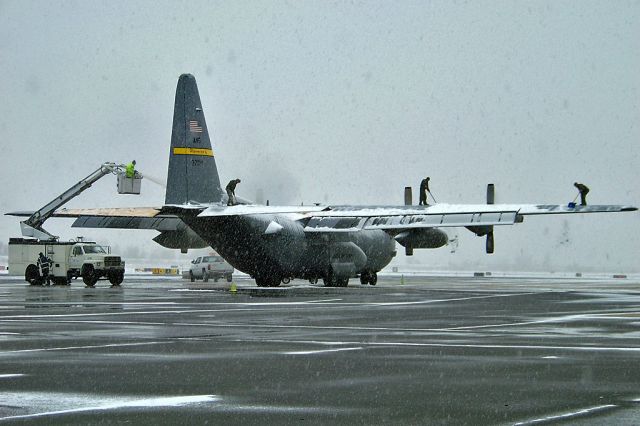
point(193, 175)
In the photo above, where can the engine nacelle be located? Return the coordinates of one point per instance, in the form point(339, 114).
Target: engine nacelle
point(346, 258)
point(422, 238)
point(182, 239)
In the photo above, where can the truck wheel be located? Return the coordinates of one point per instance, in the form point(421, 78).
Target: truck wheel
point(191, 277)
point(89, 275)
point(32, 276)
point(229, 278)
point(205, 276)
point(116, 278)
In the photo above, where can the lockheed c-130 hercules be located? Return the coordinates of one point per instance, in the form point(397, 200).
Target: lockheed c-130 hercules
point(277, 243)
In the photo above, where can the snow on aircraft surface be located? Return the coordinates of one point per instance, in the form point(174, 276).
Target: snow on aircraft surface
point(277, 243)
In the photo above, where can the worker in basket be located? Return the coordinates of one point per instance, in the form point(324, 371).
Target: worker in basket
point(130, 170)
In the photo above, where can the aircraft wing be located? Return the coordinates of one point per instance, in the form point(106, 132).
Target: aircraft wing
point(331, 219)
point(117, 218)
point(399, 218)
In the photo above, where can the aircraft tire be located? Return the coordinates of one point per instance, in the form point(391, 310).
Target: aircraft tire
point(274, 281)
point(364, 278)
point(342, 282)
point(261, 281)
point(373, 278)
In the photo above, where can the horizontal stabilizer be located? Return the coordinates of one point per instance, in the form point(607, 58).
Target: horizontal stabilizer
point(159, 223)
point(104, 212)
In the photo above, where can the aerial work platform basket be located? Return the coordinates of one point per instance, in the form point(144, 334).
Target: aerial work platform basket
point(127, 185)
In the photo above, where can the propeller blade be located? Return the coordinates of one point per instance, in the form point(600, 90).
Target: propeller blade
point(490, 242)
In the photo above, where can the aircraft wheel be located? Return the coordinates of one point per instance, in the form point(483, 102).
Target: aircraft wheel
point(342, 282)
point(313, 280)
point(364, 278)
point(275, 281)
point(229, 278)
point(373, 278)
point(32, 276)
point(286, 280)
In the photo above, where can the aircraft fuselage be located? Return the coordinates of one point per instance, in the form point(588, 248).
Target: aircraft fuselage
point(277, 246)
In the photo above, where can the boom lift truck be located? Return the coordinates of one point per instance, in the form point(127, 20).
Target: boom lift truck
point(69, 259)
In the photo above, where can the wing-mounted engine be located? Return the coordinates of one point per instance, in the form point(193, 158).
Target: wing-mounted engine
point(424, 238)
point(346, 258)
point(182, 238)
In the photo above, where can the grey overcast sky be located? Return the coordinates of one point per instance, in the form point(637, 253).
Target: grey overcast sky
point(339, 102)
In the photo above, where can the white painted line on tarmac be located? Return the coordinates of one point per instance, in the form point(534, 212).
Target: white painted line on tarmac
point(87, 322)
point(10, 376)
point(457, 299)
point(456, 345)
point(173, 401)
point(322, 351)
point(70, 348)
point(565, 416)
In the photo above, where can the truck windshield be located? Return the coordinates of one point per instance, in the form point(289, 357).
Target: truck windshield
point(211, 259)
point(94, 249)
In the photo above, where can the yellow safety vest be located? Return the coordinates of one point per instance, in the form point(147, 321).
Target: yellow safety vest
point(131, 170)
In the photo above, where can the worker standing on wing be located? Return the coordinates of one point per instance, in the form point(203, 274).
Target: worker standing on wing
point(584, 190)
point(231, 192)
point(424, 188)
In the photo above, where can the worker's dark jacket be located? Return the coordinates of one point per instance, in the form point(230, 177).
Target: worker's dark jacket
point(231, 186)
point(582, 188)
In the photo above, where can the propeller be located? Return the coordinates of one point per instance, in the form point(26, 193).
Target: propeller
point(491, 199)
point(408, 200)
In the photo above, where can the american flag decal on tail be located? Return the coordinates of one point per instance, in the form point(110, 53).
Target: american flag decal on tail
point(194, 127)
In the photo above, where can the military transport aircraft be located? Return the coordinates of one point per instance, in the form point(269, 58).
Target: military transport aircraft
point(277, 243)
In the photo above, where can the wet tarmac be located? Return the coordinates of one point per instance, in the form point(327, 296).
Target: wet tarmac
point(428, 351)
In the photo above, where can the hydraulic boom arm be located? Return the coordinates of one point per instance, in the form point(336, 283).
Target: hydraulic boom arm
point(32, 227)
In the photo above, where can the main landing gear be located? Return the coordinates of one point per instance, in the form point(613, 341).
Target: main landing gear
point(370, 278)
point(268, 280)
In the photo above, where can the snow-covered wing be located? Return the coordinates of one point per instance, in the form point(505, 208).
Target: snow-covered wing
point(398, 218)
point(110, 212)
point(251, 209)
